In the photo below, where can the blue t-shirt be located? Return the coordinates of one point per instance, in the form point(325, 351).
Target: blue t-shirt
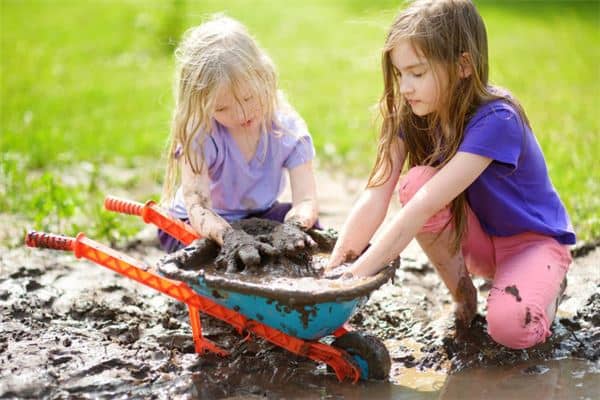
point(238, 187)
point(514, 193)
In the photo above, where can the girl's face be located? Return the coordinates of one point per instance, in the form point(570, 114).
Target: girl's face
point(421, 84)
point(237, 115)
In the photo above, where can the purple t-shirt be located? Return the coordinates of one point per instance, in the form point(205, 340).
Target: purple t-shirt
point(514, 193)
point(238, 187)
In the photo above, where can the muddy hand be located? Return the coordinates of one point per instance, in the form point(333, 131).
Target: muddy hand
point(193, 256)
point(340, 272)
point(242, 247)
point(336, 258)
point(340, 256)
point(289, 238)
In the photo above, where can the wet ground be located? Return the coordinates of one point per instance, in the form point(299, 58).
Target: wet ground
point(72, 329)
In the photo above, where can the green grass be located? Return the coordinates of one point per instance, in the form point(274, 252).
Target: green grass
point(92, 81)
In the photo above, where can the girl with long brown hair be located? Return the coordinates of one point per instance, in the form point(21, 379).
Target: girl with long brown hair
point(477, 195)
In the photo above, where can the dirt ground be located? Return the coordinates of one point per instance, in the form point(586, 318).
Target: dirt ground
point(71, 329)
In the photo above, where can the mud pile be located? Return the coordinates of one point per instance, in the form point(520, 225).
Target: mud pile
point(206, 255)
point(292, 277)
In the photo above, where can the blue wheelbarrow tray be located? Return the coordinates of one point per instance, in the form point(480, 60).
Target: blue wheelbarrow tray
point(307, 308)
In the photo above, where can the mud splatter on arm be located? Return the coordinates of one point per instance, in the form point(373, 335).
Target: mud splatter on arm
point(196, 194)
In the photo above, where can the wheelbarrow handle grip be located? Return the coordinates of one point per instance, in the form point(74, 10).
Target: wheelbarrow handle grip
point(152, 213)
point(49, 241)
point(123, 206)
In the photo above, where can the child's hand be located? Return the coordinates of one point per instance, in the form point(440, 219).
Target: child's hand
point(193, 256)
point(339, 272)
point(238, 245)
point(338, 257)
point(289, 238)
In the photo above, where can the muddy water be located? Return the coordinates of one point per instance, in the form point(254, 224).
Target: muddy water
point(545, 380)
point(533, 380)
point(71, 329)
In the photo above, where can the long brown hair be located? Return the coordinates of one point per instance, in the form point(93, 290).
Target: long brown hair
point(447, 33)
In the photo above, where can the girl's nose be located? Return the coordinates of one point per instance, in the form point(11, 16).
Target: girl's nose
point(405, 86)
point(240, 114)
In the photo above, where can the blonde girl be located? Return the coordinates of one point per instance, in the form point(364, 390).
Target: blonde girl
point(477, 195)
point(233, 136)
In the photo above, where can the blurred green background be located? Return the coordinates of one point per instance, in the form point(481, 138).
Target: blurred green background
point(86, 93)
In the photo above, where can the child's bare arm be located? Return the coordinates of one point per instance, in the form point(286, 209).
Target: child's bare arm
point(439, 191)
point(196, 196)
point(367, 214)
point(305, 208)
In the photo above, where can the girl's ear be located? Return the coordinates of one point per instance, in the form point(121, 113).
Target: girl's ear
point(465, 67)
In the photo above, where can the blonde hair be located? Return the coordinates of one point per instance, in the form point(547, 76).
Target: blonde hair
point(448, 33)
point(218, 52)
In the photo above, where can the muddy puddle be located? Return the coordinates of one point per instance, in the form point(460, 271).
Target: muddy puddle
point(72, 329)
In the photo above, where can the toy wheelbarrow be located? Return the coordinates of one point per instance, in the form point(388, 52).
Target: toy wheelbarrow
point(282, 311)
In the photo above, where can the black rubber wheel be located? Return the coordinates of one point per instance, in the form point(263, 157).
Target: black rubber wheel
point(369, 350)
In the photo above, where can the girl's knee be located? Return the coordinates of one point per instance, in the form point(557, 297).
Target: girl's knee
point(516, 324)
point(413, 180)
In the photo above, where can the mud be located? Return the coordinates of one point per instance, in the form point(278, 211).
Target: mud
point(290, 291)
point(247, 234)
point(425, 325)
point(293, 276)
point(257, 247)
point(514, 291)
point(71, 329)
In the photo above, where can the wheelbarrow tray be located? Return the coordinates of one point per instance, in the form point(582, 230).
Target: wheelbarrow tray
point(307, 308)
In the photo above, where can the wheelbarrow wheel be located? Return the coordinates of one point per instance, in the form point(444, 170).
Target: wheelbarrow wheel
point(369, 353)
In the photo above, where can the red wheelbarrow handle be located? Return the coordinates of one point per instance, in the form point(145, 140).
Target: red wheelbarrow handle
point(129, 267)
point(154, 214)
point(49, 241)
point(84, 247)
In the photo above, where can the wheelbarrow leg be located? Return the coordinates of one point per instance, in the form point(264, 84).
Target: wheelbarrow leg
point(342, 330)
point(201, 344)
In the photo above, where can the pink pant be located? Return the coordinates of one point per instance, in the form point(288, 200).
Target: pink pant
point(527, 270)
